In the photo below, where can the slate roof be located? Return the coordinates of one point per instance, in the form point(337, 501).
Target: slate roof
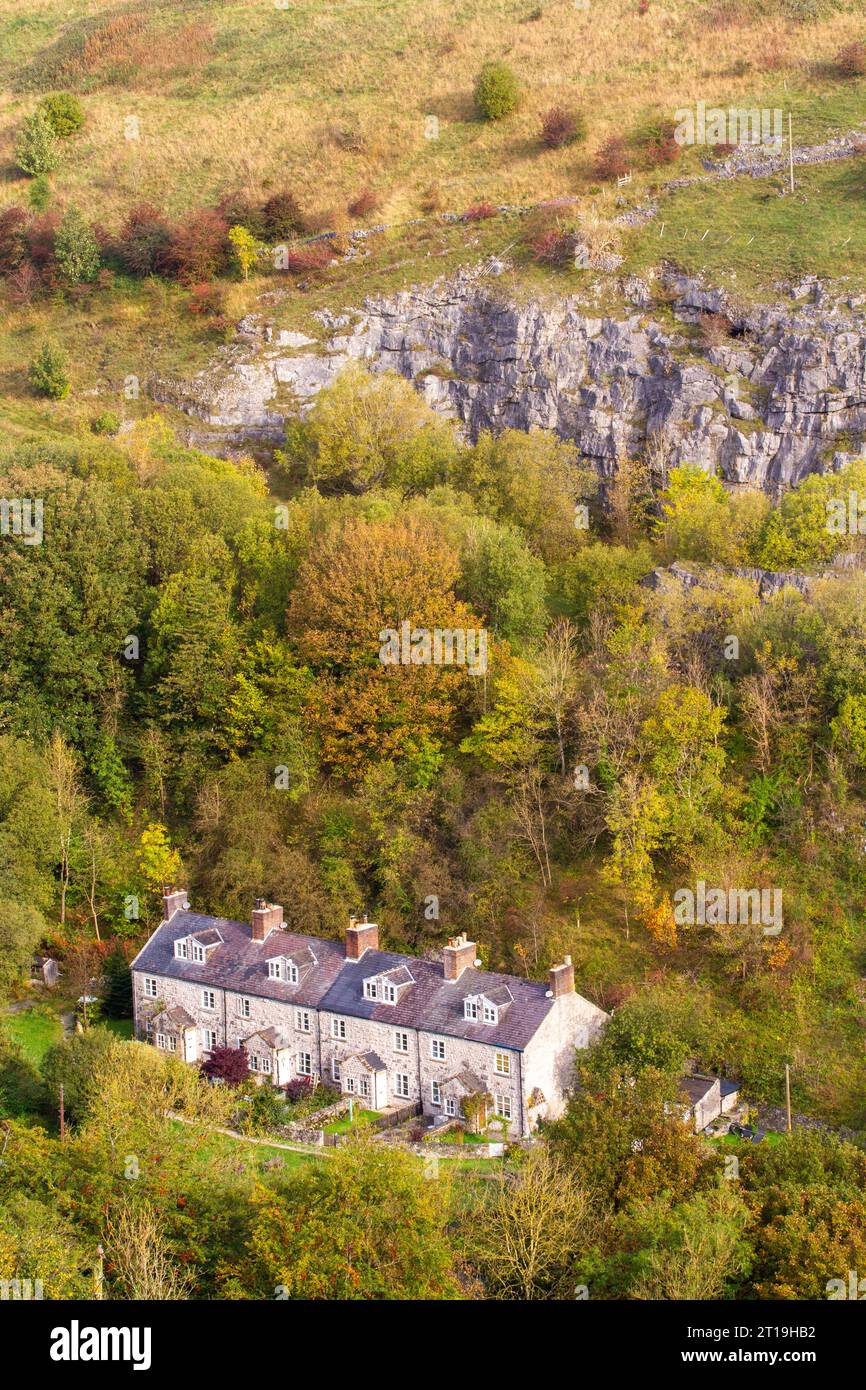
point(177, 1017)
point(695, 1087)
point(272, 1036)
point(371, 1060)
point(429, 1003)
point(240, 964)
point(211, 937)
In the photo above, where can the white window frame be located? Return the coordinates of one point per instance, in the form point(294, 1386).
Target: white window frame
point(435, 1093)
point(437, 1049)
point(151, 987)
point(470, 1009)
point(308, 1069)
point(490, 1013)
point(401, 1085)
point(210, 1039)
point(389, 992)
point(502, 1105)
point(199, 954)
point(502, 1063)
point(364, 1087)
point(302, 1021)
point(275, 969)
point(350, 1085)
point(292, 975)
point(450, 1105)
point(400, 1038)
point(371, 989)
point(168, 1043)
point(338, 1029)
point(208, 999)
point(266, 1066)
point(245, 1006)
point(181, 948)
point(254, 1062)
point(336, 1070)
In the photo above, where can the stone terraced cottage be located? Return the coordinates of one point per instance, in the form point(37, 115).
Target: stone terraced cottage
point(391, 1030)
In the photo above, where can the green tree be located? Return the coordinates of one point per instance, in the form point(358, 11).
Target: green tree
point(366, 1225)
point(36, 145)
point(497, 91)
point(21, 929)
point(502, 579)
point(76, 249)
point(64, 113)
point(47, 373)
point(635, 820)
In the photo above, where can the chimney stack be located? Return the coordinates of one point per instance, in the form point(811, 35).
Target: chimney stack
point(360, 937)
point(457, 956)
point(172, 900)
point(267, 917)
point(562, 978)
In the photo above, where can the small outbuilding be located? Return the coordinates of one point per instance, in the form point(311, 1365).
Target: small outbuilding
point(46, 970)
point(705, 1098)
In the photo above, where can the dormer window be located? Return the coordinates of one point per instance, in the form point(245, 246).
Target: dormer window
point(181, 949)
point(371, 989)
point(279, 968)
point(198, 952)
point(470, 1009)
point(490, 1013)
point(389, 993)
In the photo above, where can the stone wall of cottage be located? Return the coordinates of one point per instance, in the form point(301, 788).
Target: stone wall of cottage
point(549, 1058)
point(226, 1019)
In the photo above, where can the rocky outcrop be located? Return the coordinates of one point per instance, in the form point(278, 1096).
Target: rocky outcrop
point(784, 395)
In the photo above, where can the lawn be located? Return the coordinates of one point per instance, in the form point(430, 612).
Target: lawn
point(121, 1027)
point(344, 1124)
point(35, 1030)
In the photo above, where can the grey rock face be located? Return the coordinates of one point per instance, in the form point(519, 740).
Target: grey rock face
point(785, 395)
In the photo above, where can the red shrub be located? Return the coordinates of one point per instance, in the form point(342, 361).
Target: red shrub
point(40, 241)
point(12, 241)
point(281, 215)
point(366, 202)
point(144, 240)
point(560, 127)
point(611, 162)
point(299, 1088)
point(851, 60)
point(661, 146)
point(228, 1064)
point(479, 211)
point(198, 251)
point(205, 298)
point(553, 246)
point(310, 258)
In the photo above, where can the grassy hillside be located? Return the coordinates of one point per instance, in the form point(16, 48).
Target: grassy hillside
point(254, 94)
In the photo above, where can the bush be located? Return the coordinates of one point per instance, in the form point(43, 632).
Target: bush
point(47, 373)
point(200, 250)
point(143, 244)
point(245, 250)
point(553, 246)
point(228, 1064)
point(851, 60)
point(560, 127)
point(76, 250)
point(206, 299)
point(497, 92)
point(365, 203)
point(281, 216)
point(39, 193)
point(611, 162)
point(479, 211)
point(108, 422)
point(64, 113)
point(12, 243)
point(301, 1088)
point(36, 146)
point(308, 259)
point(660, 145)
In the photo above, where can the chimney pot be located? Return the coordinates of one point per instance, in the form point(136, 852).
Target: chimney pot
point(360, 937)
point(172, 900)
point(562, 979)
point(457, 956)
point(267, 917)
